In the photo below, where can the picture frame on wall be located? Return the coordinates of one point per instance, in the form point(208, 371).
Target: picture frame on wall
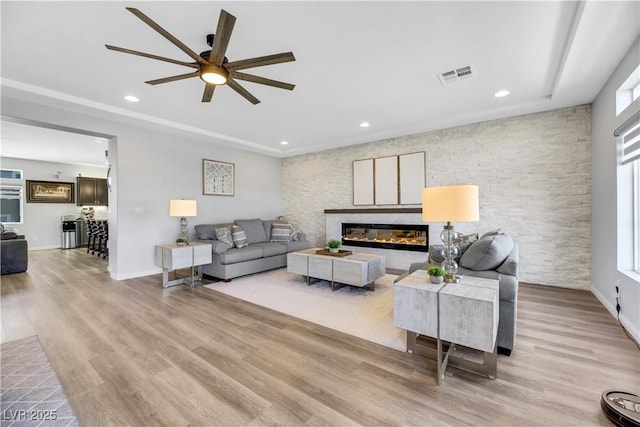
point(50, 192)
point(218, 178)
point(362, 182)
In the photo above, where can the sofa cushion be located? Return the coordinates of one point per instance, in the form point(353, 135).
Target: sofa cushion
point(254, 229)
point(487, 253)
point(239, 236)
point(224, 235)
point(205, 231)
point(271, 249)
point(267, 227)
point(235, 255)
point(281, 232)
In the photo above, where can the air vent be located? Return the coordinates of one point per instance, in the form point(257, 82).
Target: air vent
point(457, 74)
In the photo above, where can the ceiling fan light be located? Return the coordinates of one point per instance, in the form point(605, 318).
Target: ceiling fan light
point(213, 74)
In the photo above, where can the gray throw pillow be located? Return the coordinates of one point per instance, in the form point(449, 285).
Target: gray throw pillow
point(254, 229)
point(239, 237)
point(487, 253)
point(224, 235)
point(281, 232)
point(436, 254)
point(205, 232)
point(492, 233)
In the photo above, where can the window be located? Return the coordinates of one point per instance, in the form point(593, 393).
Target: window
point(11, 204)
point(628, 177)
point(636, 216)
point(628, 91)
point(10, 173)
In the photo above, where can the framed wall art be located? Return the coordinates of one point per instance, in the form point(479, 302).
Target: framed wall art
point(218, 178)
point(50, 192)
point(363, 182)
point(412, 177)
point(386, 180)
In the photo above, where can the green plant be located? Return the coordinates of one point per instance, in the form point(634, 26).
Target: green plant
point(181, 240)
point(334, 244)
point(435, 271)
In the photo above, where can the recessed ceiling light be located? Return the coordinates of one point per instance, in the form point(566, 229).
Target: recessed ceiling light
point(284, 143)
point(501, 93)
point(364, 125)
point(131, 98)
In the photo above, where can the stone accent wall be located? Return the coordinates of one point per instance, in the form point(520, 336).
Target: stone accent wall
point(534, 174)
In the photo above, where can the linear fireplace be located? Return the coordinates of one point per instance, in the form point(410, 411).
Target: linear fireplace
point(406, 237)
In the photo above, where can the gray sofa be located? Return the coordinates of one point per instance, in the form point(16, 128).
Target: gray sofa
point(261, 252)
point(495, 256)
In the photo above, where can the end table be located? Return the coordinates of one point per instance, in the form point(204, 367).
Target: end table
point(172, 257)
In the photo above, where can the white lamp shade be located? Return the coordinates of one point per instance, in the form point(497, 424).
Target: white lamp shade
point(450, 203)
point(183, 208)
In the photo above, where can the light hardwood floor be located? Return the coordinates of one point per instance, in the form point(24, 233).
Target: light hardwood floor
point(131, 353)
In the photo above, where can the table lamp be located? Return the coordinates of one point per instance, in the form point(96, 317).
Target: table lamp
point(450, 203)
point(183, 209)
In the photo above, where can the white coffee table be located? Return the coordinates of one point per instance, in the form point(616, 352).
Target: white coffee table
point(360, 270)
point(464, 313)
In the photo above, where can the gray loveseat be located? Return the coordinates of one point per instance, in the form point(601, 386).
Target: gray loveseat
point(267, 244)
point(495, 256)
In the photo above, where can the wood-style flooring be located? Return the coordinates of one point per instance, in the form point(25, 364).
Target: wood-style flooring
point(132, 353)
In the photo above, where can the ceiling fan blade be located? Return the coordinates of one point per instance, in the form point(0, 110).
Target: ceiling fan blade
point(242, 91)
point(150, 22)
point(208, 92)
point(151, 56)
point(173, 78)
point(261, 80)
point(260, 61)
point(222, 37)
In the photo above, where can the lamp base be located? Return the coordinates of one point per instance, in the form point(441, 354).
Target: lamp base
point(451, 278)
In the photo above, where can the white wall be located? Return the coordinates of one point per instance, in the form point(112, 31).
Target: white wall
point(42, 224)
point(152, 166)
point(534, 174)
point(605, 272)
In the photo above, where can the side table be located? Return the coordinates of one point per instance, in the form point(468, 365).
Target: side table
point(172, 257)
point(464, 313)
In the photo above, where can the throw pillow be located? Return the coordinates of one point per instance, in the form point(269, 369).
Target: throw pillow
point(436, 254)
point(205, 232)
point(224, 235)
point(254, 229)
point(487, 253)
point(281, 232)
point(239, 237)
point(492, 233)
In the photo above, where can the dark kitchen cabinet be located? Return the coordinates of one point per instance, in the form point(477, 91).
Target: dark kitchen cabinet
point(92, 191)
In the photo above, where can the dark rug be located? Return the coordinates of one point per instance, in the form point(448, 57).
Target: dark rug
point(31, 392)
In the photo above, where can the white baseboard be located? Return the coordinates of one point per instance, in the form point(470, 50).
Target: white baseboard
point(43, 248)
point(136, 274)
point(633, 331)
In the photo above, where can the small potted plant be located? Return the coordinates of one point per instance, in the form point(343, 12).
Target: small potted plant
point(436, 275)
point(181, 241)
point(333, 245)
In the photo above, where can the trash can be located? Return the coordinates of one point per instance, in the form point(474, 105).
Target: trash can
point(68, 234)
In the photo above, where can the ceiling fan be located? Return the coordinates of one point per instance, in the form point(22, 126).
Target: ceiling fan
point(212, 66)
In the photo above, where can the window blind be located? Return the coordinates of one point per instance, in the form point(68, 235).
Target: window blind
point(629, 134)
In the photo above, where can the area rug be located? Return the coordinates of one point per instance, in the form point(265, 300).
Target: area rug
point(31, 392)
point(355, 311)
